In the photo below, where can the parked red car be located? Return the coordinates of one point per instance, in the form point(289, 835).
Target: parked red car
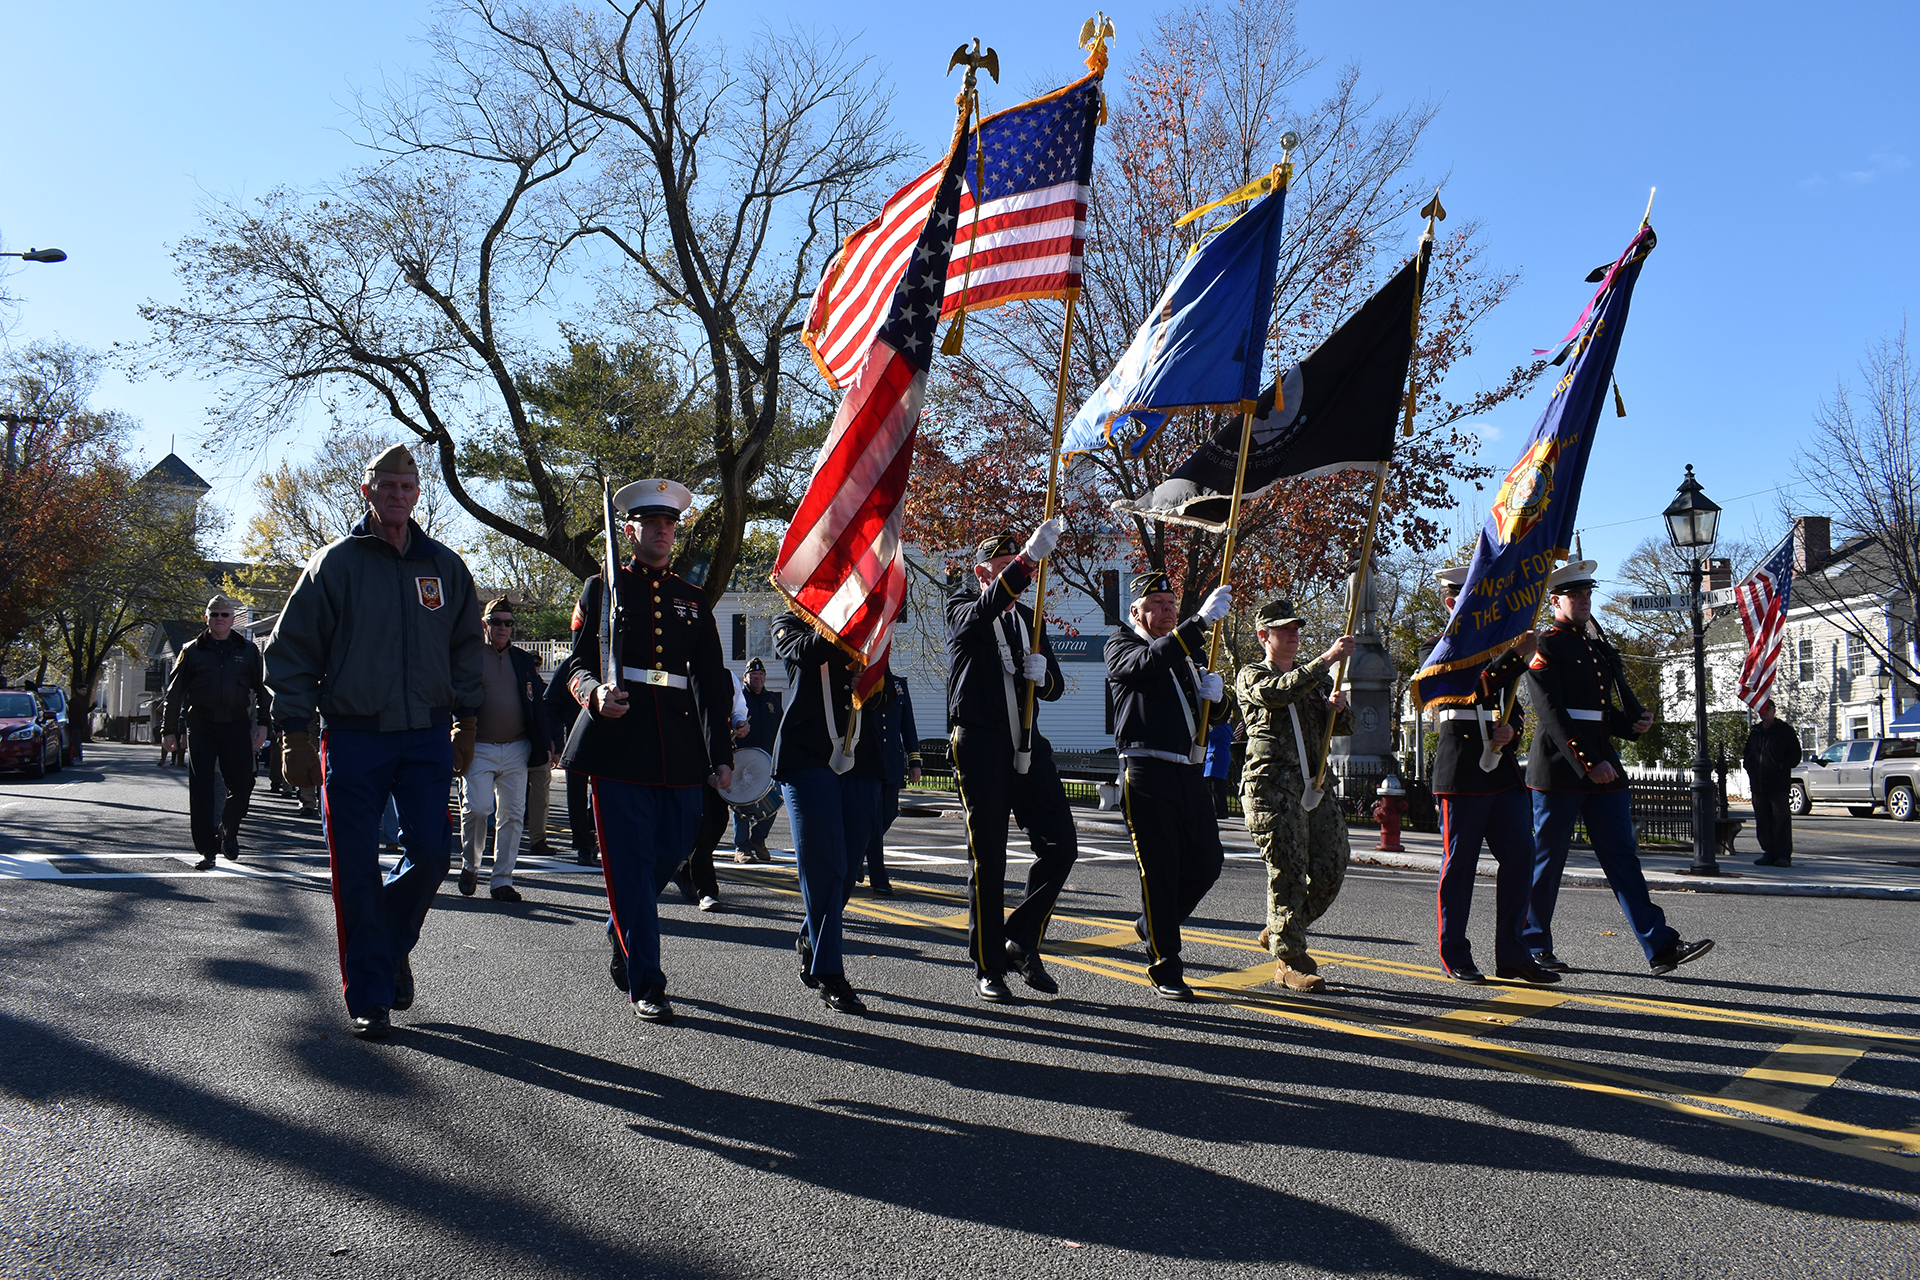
point(30, 736)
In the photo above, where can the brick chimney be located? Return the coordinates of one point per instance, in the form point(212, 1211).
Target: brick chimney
point(1812, 542)
point(1719, 575)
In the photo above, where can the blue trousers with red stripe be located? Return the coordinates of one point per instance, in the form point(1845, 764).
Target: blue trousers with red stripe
point(645, 832)
point(1504, 821)
point(378, 917)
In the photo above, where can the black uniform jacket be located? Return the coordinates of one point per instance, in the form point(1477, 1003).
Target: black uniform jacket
point(561, 710)
point(1456, 765)
point(533, 702)
point(212, 679)
point(1150, 680)
point(669, 737)
point(763, 718)
point(1574, 672)
point(1772, 751)
point(806, 740)
point(976, 680)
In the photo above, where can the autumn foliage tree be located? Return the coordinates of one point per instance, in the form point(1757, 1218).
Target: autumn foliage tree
point(1202, 112)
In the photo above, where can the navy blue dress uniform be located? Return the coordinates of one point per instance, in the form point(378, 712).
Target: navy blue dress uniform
point(1582, 702)
point(1491, 806)
point(899, 751)
point(764, 710)
point(383, 646)
point(988, 634)
point(832, 794)
point(1154, 685)
point(647, 768)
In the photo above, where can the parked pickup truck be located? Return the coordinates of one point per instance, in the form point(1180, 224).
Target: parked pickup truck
point(1863, 774)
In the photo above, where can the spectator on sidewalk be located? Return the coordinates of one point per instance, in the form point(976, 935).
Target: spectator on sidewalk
point(1219, 764)
point(764, 710)
point(1773, 749)
point(510, 738)
point(217, 692)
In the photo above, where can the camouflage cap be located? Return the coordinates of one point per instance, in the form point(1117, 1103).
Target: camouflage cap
point(1277, 613)
point(394, 460)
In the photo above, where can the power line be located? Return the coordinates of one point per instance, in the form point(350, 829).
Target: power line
point(1778, 488)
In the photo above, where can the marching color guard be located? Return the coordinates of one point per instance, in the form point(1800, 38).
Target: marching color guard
point(1306, 850)
point(1159, 694)
point(1576, 774)
point(1484, 805)
point(656, 731)
point(989, 635)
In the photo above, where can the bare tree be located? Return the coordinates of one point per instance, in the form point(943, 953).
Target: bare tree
point(1863, 459)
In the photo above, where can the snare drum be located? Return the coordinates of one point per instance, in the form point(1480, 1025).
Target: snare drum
point(752, 795)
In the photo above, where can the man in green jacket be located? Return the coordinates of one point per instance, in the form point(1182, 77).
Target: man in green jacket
point(1287, 708)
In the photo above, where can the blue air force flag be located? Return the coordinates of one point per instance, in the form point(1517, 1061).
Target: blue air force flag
point(1531, 523)
point(1201, 348)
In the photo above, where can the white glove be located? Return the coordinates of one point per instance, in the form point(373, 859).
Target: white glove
point(1219, 600)
point(1212, 686)
point(1035, 667)
point(1041, 544)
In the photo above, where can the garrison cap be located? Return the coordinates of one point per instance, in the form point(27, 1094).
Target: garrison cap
point(1146, 584)
point(653, 498)
point(1570, 577)
point(1000, 544)
point(1277, 613)
point(500, 605)
point(394, 460)
point(221, 602)
point(1454, 575)
point(754, 664)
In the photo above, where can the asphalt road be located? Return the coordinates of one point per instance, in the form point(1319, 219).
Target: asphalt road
point(179, 1096)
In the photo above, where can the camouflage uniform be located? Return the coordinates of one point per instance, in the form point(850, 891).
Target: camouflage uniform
point(1306, 852)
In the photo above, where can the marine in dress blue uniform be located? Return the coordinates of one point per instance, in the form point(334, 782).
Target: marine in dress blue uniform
point(380, 641)
point(1490, 806)
point(654, 733)
point(989, 667)
point(1159, 695)
point(1582, 701)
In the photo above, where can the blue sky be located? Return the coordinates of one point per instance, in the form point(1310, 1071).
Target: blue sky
point(1782, 141)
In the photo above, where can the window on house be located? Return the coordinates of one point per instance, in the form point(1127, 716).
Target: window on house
point(1806, 740)
point(1856, 656)
point(1806, 662)
point(1857, 727)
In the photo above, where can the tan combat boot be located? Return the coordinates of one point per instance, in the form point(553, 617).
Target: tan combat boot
point(1266, 937)
point(1296, 973)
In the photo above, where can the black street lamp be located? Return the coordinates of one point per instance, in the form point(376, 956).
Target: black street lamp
point(1693, 522)
point(39, 255)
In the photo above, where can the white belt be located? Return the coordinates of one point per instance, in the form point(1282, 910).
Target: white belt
point(1469, 713)
point(646, 676)
point(1586, 715)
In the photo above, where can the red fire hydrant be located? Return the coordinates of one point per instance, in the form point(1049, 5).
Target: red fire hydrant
point(1386, 811)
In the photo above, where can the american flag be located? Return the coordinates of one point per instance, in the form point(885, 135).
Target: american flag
point(1762, 601)
point(839, 564)
point(1022, 232)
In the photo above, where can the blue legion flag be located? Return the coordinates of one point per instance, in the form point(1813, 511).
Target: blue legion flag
point(1531, 523)
point(1201, 349)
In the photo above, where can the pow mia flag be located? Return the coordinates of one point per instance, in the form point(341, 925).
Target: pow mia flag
point(1337, 409)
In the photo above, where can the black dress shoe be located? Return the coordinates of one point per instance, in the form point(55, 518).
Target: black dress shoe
point(652, 1006)
point(403, 985)
point(1680, 953)
point(993, 987)
point(684, 882)
point(1525, 973)
point(1468, 974)
point(805, 949)
point(587, 857)
point(1027, 964)
point(469, 881)
point(540, 849)
point(232, 848)
point(1551, 963)
point(617, 966)
point(1175, 989)
point(504, 893)
point(206, 862)
point(838, 995)
point(372, 1023)
point(882, 889)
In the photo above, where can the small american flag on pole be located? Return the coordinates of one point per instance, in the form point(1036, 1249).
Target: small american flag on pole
point(839, 564)
point(1762, 600)
point(1019, 236)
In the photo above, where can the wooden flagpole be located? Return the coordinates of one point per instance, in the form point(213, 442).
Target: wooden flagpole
point(1226, 565)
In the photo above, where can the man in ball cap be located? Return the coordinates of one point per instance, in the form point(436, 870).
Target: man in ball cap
point(990, 666)
point(1160, 695)
point(656, 730)
point(381, 636)
point(1287, 708)
point(216, 690)
point(1484, 805)
point(1582, 701)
